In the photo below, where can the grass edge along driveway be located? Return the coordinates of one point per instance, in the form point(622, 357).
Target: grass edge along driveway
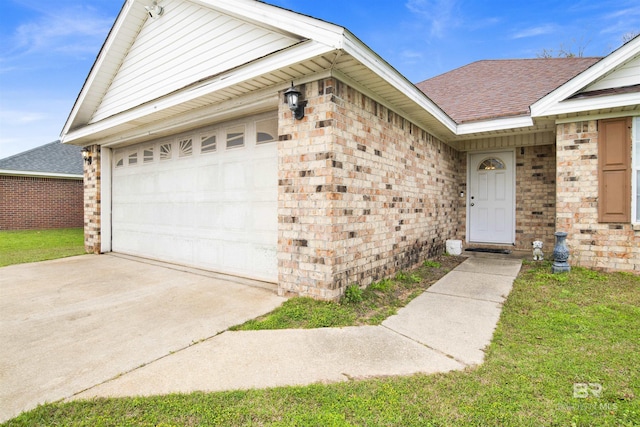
point(22, 246)
point(565, 352)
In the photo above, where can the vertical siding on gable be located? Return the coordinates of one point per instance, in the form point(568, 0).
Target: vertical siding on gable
point(186, 44)
point(625, 76)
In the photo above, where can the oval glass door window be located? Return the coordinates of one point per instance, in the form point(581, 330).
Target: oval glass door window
point(492, 164)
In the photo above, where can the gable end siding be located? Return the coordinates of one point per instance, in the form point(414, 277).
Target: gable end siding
point(627, 75)
point(186, 44)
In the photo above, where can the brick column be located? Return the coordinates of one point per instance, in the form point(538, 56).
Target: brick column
point(306, 253)
point(92, 202)
point(592, 244)
point(535, 196)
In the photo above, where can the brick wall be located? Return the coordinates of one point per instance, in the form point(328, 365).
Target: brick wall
point(39, 203)
point(535, 197)
point(92, 202)
point(363, 193)
point(592, 244)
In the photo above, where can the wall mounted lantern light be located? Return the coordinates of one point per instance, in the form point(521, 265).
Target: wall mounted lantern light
point(292, 96)
point(155, 10)
point(86, 155)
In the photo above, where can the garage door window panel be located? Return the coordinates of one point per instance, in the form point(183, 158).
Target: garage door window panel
point(147, 155)
point(186, 147)
point(235, 137)
point(166, 151)
point(208, 144)
point(266, 131)
point(133, 158)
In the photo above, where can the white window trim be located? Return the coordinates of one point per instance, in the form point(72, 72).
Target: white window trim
point(635, 156)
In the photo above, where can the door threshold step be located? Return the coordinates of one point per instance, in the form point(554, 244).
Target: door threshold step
point(489, 250)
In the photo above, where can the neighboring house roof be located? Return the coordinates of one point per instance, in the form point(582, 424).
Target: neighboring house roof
point(486, 90)
point(53, 159)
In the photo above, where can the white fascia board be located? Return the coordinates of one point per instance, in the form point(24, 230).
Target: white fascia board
point(97, 66)
point(591, 116)
point(594, 104)
point(625, 53)
point(264, 100)
point(40, 174)
point(494, 125)
point(267, 64)
point(280, 20)
point(371, 60)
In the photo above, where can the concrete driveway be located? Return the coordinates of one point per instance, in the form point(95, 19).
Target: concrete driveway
point(70, 324)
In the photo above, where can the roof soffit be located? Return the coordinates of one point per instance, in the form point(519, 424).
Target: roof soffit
point(363, 54)
point(279, 19)
point(114, 49)
point(231, 84)
point(303, 62)
point(321, 38)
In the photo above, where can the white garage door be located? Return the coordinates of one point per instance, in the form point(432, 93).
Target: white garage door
point(206, 199)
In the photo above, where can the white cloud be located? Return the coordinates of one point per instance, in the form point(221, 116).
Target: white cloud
point(624, 13)
point(10, 117)
point(412, 63)
point(488, 22)
point(24, 128)
point(411, 54)
point(70, 31)
point(534, 31)
point(622, 21)
point(438, 13)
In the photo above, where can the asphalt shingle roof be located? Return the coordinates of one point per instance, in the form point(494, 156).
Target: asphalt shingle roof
point(494, 89)
point(54, 157)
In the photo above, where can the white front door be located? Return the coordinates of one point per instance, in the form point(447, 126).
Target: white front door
point(491, 200)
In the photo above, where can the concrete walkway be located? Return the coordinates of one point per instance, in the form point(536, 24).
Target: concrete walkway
point(444, 329)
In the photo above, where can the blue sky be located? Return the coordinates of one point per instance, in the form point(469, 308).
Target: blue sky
point(47, 48)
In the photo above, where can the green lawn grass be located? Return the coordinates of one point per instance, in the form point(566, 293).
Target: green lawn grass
point(369, 306)
point(17, 247)
point(557, 334)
